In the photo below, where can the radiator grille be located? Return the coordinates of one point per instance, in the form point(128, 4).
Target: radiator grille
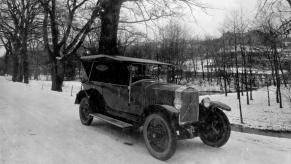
point(190, 106)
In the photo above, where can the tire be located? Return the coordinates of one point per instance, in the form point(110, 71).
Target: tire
point(215, 130)
point(84, 111)
point(159, 136)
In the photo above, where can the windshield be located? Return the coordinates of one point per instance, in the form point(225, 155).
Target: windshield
point(161, 73)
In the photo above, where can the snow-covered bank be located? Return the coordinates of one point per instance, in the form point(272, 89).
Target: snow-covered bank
point(69, 87)
point(40, 126)
point(258, 114)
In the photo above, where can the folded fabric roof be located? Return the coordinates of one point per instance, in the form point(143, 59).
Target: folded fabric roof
point(124, 59)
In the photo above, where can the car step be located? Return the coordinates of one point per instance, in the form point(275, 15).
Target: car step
point(111, 120)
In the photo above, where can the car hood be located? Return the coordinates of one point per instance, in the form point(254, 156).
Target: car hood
point(163, 93)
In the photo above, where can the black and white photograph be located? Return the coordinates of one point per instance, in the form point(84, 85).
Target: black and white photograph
point(145, 81)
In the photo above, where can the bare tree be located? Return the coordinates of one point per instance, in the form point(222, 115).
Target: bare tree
point(141, 11)
point(173, 43)
point(274, 20)
point(108, 11)
point(8, 48)
point(17, 24)
point(232, 23)
point(60, 45)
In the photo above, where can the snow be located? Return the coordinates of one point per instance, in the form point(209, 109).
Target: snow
point(189, 66)
point(205, 86)
point(258, 114)
point(42, 126)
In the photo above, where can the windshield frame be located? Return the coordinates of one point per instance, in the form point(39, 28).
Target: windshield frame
point(137, 76)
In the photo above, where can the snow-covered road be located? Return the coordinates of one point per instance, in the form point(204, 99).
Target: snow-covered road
point(41, 127)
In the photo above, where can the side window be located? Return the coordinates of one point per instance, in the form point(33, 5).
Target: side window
point(108, 72)
point(98, 71)
point(120, 74)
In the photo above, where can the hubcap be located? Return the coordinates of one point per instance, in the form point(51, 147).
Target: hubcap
point(214, 128)
point(157, 135)
point(85, 110)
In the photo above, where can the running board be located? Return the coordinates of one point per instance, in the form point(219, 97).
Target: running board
point(111, 120)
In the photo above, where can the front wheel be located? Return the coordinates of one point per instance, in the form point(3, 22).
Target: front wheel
point(84, 112)
point(215, 129)
point(159, 136)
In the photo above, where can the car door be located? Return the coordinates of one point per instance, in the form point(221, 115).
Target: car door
point(115, 90)
point(137, 99)
point(116, 96)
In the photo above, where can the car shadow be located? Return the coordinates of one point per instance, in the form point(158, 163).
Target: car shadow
point(130, 137)
point(133, 137)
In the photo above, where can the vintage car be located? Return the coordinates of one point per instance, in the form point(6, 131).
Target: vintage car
point(134, 93)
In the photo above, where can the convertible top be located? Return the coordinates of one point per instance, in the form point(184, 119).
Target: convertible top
point(122, 59)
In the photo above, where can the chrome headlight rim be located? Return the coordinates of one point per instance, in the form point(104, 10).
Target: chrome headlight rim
point(178, 103)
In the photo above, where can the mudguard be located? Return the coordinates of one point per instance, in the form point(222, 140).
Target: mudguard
point(168, 110)
point(219, 105)
point(80, 95)
point(88, 93)
point(95, 99)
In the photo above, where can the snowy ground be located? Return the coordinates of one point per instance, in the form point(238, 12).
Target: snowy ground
point(258, 114)
point(37, 126)
point(40, 126)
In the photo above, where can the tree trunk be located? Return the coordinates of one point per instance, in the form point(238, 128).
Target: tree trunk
point(15, 68)
point(225, 86)
point(225, 79)
point(36, 67)
point(25, 63)
point(251, 80)
point(282, 73)
point(6, 63)
point(20, 67)
point(57, 74)
point(109, 27)
point(246, 79)
point(269, 104)
point(278, 79)
point(207, 69)
point(203, 76)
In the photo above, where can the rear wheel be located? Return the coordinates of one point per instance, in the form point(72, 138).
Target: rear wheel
point(84, 112)
point(215, 129)
point(159, 136)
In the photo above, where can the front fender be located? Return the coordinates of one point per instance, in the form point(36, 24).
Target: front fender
point(170, 111)
point(219, 105)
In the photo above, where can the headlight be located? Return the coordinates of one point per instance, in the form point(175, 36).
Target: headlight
point(206, 102)
point(178, 103)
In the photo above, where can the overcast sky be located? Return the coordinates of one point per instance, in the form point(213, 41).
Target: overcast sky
point(209, 24)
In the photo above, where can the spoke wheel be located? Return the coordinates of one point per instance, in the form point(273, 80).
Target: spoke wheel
point(84, 112)
point(159, 136)
point(215, 131)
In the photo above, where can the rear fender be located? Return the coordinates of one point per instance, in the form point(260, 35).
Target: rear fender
point(80, 95)
point(95, 99)
point(90, 93)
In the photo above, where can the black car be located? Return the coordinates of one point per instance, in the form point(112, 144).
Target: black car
point(133, 93)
